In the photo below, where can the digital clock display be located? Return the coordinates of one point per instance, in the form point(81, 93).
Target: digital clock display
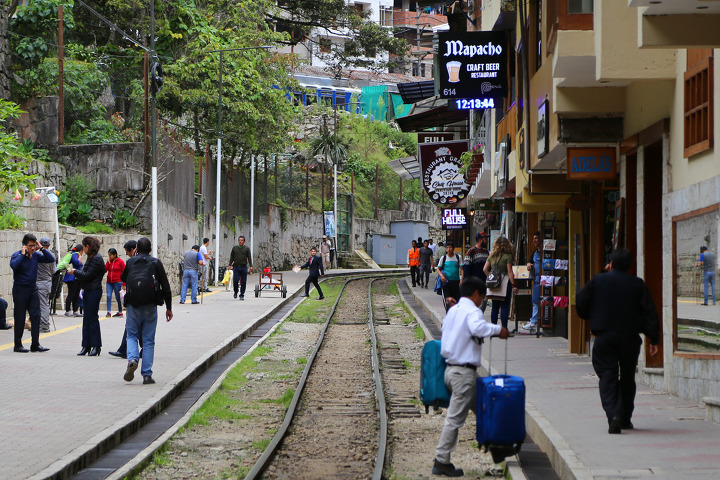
point(474, 103)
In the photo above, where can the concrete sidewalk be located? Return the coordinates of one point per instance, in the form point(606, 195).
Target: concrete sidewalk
point(671, 440)
point(57, 406)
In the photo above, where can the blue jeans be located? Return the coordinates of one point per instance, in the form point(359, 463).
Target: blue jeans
point(109, 289)
point(240, 275)
point(709, 281)
point(141, 321)
point(535, 303)
point(190, 277)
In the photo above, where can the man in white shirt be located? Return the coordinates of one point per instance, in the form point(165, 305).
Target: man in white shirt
point(462, 329)
point(206, 255)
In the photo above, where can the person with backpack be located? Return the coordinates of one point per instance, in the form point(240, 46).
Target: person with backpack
point(89, 277)
point(130, 250)
point(448, 269)
point(460, 345)
point(73, 288)
point(500, 263)
point(147, 287)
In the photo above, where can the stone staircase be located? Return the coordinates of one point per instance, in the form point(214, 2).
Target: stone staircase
point(355, 259)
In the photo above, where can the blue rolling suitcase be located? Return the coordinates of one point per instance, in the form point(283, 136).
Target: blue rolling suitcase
point(500, 413)
point(433, 391)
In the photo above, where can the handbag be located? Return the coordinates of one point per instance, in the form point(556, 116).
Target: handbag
point(495, 278)
point(500, 292)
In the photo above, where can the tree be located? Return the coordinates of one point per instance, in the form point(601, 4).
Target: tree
point(6, 9)
point(13, 158)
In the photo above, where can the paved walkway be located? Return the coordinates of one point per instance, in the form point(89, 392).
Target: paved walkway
point(671, 440)
point(56, 405)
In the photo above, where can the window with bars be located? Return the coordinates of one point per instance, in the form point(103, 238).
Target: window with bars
point(698, 102)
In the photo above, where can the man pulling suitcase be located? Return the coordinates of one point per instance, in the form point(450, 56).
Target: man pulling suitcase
point(462, 331)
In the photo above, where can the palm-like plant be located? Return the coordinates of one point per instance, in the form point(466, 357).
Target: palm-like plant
point(328, 148)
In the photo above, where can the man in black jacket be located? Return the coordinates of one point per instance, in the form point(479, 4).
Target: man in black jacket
point(141, 316)
point(619, 308)
point(315, 270)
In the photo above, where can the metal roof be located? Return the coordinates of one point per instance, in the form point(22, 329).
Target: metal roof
point(407, 167)
point(412, 92)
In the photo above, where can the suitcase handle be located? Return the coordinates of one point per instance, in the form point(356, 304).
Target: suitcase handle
point(490, 355)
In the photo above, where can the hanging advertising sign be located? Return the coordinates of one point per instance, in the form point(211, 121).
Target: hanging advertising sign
point(454, 219)
point(329, 218)
point(594, 163)
point(435, 137)
point(440, 164)
point(473, 67)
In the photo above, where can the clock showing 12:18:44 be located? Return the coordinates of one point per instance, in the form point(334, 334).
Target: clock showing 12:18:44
point(474, 103)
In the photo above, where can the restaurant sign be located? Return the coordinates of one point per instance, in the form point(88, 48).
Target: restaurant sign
point(592, 163)
point(440, 165)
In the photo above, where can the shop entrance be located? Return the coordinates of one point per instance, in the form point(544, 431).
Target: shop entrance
point(653, 235)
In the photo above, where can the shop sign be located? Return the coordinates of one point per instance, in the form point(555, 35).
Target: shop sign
point(440, 164)
point(595, 163)
point(454, 219)
point(473, 66)
point(435, 137)
point(579, 202)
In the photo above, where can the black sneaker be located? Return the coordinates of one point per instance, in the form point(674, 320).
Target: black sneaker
point(130, 372)
point(447, 469)
point(235, 295)
point(615, 426)
point(148, 380)
point(242, 297)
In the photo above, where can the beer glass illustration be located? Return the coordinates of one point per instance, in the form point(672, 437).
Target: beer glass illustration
point(453, 69)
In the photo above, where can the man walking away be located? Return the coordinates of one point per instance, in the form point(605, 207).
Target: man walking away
point(206, 256)
point(147, 287)
point(413, 259)
point(426, 264)
point(460, 345)
point(315, 271)
point(44, 284)
point(619, 308)
point(130, 250)
point(240, 260)
point(24, 264)
point(192, 262)
point(708, 262)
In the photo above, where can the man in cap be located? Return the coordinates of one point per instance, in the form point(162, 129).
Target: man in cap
point(325, 247)
point(44, 283)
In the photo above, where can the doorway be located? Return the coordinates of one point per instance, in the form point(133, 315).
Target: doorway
point(653, 234)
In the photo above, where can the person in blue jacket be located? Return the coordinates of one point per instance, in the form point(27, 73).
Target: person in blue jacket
point(315, 271)
point(24, 264)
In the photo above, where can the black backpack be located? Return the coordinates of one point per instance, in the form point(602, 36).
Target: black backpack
point(142, 284)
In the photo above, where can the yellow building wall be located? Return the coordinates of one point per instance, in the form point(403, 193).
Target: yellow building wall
point(647, 102)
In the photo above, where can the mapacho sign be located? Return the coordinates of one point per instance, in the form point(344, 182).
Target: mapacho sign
point(473, 65)
point(440, 164)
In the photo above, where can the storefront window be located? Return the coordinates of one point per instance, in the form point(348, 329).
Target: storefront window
point(695, 282)
point(580, 6)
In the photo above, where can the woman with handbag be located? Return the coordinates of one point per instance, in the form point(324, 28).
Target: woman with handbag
point(90, 278)
point(499, 264)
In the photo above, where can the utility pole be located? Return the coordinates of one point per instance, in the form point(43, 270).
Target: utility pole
point(153, 132)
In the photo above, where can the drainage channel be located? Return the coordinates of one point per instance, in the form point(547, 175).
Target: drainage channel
point(147, 434)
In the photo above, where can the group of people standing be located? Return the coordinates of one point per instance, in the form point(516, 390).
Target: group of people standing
point(142, 277)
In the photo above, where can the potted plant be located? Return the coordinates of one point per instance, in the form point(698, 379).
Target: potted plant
point(472, 158)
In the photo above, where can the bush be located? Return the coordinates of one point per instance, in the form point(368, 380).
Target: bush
point(73, 205)
point(92, 228)
point(9, 218)
point(124, 219)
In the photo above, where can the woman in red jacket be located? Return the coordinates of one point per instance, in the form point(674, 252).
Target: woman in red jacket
point(114, 268)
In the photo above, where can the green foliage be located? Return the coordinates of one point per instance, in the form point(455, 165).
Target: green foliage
point(328, 146)
point(123, 219)
point(73, 204)
point(14, 158)
point(35, 24)
point(93, 228)
point(9, 218)
point(98, 130)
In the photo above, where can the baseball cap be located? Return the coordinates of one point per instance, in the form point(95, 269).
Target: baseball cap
point(480, 235)
point(324, 236)
point(44, 240)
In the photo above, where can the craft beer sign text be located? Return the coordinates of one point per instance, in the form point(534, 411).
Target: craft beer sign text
point(454, 218)
point(440, 164)
point(591, 163)
point(473, 65)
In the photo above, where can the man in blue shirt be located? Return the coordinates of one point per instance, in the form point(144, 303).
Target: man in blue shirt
point(535, 265)
point(24, 264)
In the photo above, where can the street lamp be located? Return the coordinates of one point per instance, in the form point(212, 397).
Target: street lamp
point(219, 156)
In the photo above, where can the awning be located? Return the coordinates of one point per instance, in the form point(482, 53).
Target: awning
point(407, 167)
point(429, 113)
point(412, 92)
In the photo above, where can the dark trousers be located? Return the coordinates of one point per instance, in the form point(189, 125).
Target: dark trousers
point(614, 358)
point(415, 274)
point(26, 299)
point(425, 274)
point(3, 312)
point(240, 275)
point(314, 280)
point(502, 307)
point(91, 324)
point(451, 289)
point(73, 296)
point(123, 343)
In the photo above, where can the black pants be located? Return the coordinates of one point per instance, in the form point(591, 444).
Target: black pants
point(3, 312)
point(415, 274)
point(614, 358)
point(451, 289)
point(91, 324)
point(73, 296)
point(314, 280)
point(26, 299)
point(240, 275)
